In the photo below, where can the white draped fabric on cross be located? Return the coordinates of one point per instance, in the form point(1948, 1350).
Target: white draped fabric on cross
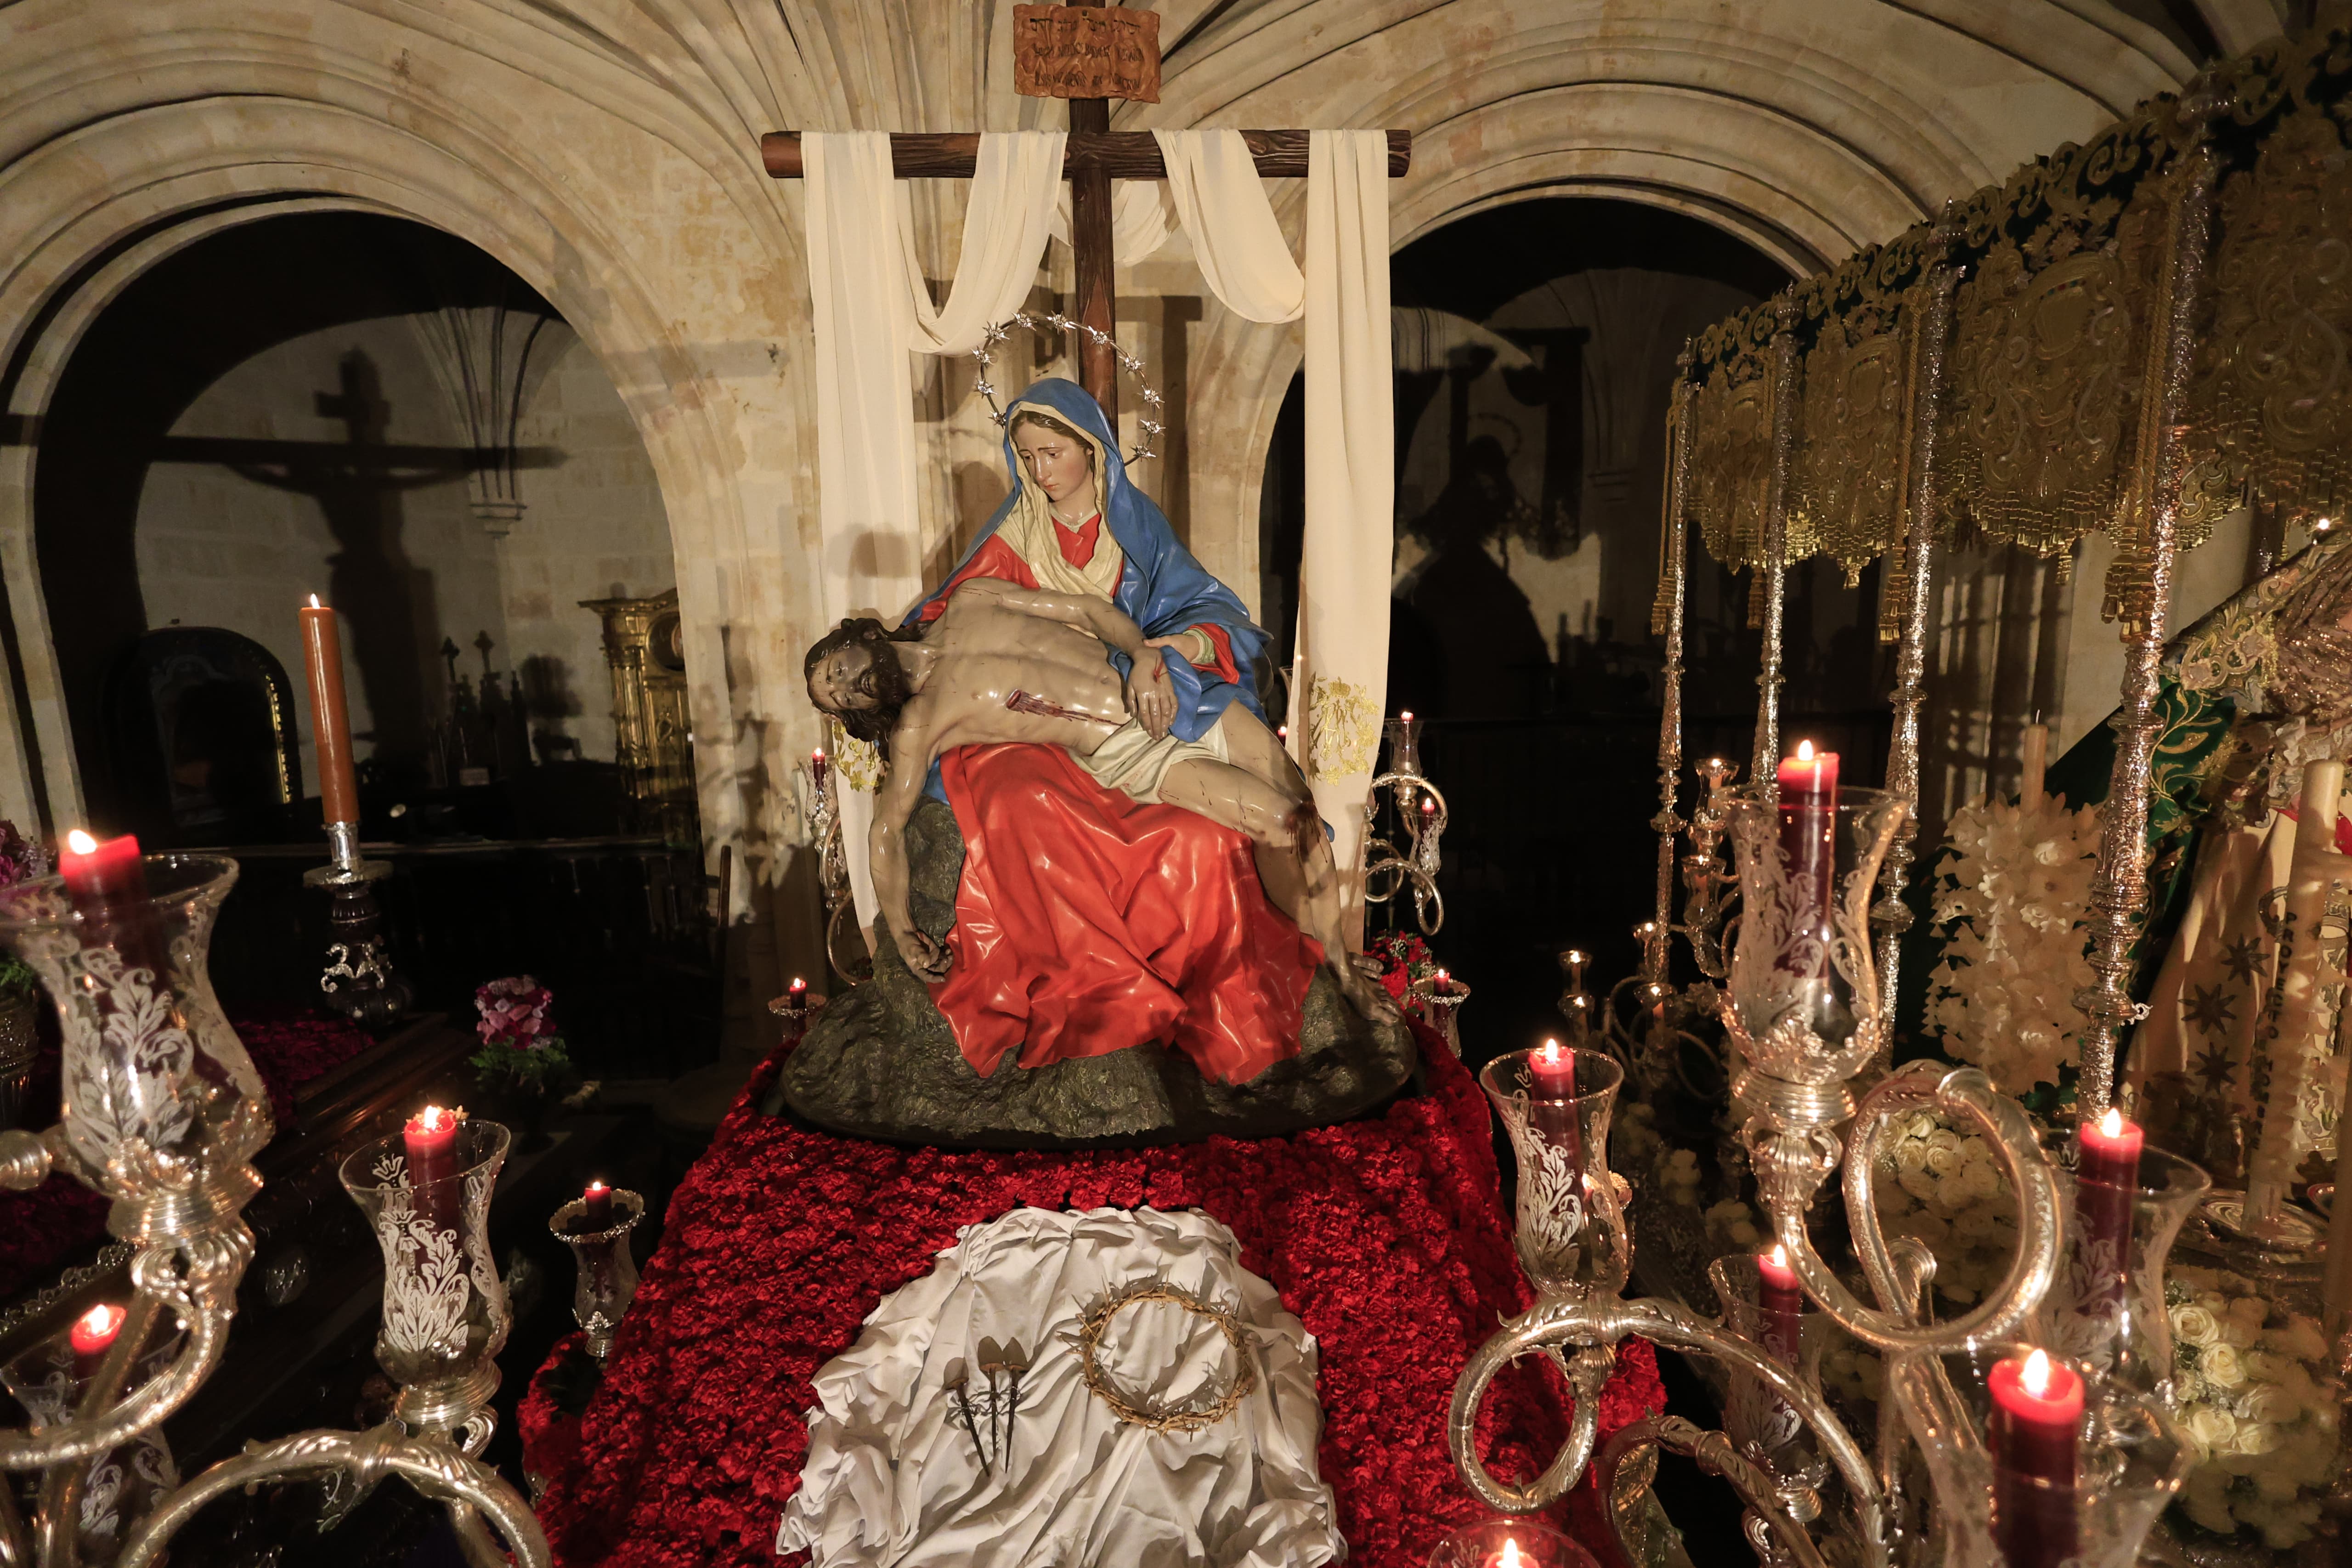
point(873, 309)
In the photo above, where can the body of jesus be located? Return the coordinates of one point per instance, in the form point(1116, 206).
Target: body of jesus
point(1009, 664)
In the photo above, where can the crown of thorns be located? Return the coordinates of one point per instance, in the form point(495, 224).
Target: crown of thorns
point(1054, 322)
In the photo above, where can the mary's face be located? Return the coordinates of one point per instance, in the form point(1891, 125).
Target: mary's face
point(1057, 464)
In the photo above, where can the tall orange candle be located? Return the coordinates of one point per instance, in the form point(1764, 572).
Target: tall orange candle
point(331, 721)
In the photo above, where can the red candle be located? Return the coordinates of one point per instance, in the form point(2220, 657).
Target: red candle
point(1780, 1308)
point(331, 723)
point(816, 771)
point(108, 885)
point(93, 1332)
point(2037, 1411)
point(2106, 1174)
point(1551, 1087)
point(1553, 1070)
point(1809, 793)
point(431, 1136)
point(596, 1206)
point(101, 876)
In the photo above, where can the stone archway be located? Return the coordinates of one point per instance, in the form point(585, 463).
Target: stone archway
point(125, 180)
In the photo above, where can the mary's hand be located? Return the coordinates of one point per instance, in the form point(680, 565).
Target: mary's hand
point(925, 954)
point(1151, 696)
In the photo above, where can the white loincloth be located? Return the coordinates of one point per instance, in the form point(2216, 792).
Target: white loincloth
point(891, 1480)
point(1131, 762)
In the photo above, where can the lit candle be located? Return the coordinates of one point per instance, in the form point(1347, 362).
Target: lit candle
point(2106, 1174)
point(330, 723)
point(1554, 1071)
point(2036, 749)
point(2037, 1410)
point(107, 882)
point(596, 1206)
point(101, 876)
point(1509, 1557)
point(816, 771)
point(92, 1333)
point(431, 1136)
point(1809, 795)
point(1780, 1308)
point(1445, 983)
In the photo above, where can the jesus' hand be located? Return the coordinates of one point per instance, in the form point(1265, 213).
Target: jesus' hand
point(925, 954)
point(1151, 695)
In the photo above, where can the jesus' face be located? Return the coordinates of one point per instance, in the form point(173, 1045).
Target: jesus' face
point(864, 684)
point(1057, 464)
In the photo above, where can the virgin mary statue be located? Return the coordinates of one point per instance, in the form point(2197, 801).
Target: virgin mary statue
point(1074, 524)
point(1118, 972)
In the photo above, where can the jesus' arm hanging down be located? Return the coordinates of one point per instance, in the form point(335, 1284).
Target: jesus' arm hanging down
point(1007, 664)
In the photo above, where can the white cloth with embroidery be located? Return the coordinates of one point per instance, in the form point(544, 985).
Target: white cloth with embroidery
point(1339, 688)
point(892, 1480)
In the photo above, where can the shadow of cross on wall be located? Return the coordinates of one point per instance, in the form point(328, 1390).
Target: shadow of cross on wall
point(384, 599)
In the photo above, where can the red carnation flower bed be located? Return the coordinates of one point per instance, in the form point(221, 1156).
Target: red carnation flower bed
point(1386, 1236)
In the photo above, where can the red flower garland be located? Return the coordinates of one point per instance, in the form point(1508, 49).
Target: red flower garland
point(1386, 1236)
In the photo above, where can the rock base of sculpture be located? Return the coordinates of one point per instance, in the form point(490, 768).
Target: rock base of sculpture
point(881, 1061)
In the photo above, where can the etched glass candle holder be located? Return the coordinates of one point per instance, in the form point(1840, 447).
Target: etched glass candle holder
point(1517, 1542)
point(607, 1276)
point(2106, 1309)
point(1556, 1105)
point(1762, 1424)
point(445, 1307)
point(2036, 1510)
point(49, 1380)
point(161, 1106)
point(1803, 1012)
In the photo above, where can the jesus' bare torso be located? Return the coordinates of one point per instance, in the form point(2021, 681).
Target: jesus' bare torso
point(1009, 664)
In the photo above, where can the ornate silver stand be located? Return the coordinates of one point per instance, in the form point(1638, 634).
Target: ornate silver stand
point(360, 979)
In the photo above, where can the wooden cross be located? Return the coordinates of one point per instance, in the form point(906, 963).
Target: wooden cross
point(1089, 54)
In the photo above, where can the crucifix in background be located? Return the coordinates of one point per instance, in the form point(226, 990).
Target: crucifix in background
point(1089, 54)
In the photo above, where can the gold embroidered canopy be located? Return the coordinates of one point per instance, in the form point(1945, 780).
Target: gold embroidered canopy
point(2039, 395)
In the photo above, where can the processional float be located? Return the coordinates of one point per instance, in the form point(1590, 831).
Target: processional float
point(2137, 335)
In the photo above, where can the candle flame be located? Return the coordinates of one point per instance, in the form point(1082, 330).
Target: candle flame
point(2112, 1124)
point(81, 843)
point(596, 1189)
point(1779, 1256)
point(1551, 1053)
point(314, 603)
point(1576, 955)
point(799, 986)
point(818, 754)
point(1510, 1557)
point(432, 1118)
point(2035, 1379)
point(1406, 716)
point(1804, 751)
point(101, 1320)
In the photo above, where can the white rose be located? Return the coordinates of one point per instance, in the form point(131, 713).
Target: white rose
point(2214, 1427)
point(2239, 1334)
point(1918, 1184)
point(2276, 1484)
point(1744, 1235)
point(1975, 1224)
point(2219, 1362)
point(2255, 1437)
point(1942, 1162)
point(2264, 1366)
point(1920, 1125)
point(2250, 1307)
point(1984, 1180)
point(2269, 1402)
point(2193, 1325)
point(1910, 1156)
point(1944, 1138)
point(2211, 1510)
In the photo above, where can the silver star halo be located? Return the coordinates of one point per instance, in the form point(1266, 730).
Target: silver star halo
point(1054, 322)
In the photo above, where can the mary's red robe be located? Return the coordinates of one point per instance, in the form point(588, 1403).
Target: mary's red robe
point(1088, 922)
